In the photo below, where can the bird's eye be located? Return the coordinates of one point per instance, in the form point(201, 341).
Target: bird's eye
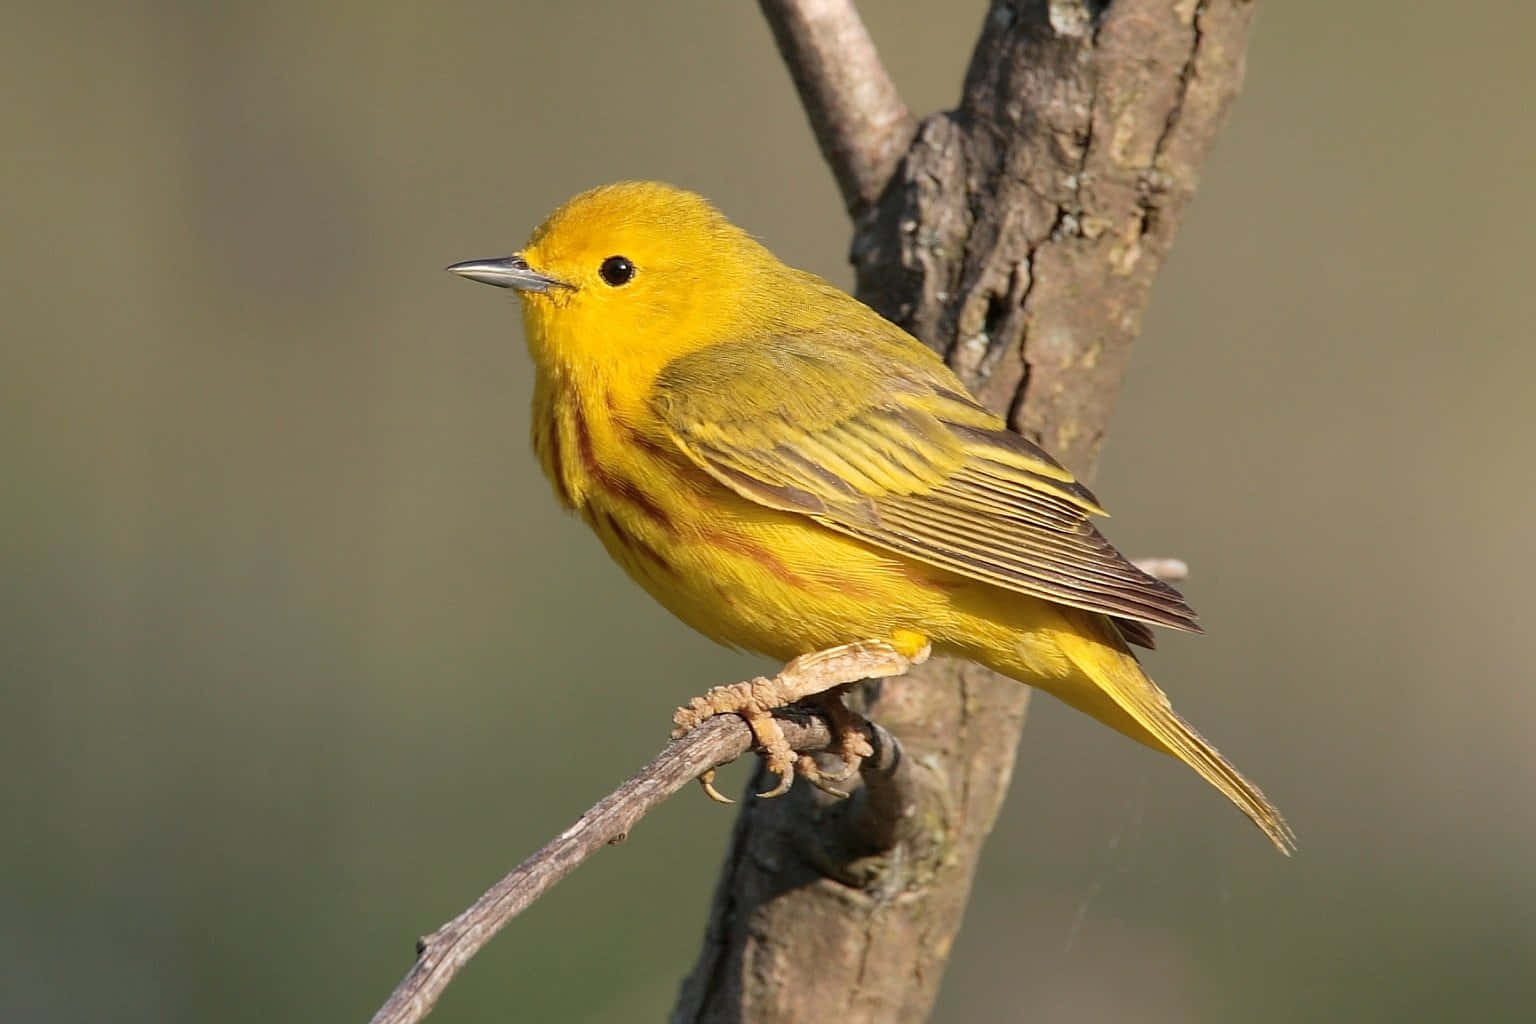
point(616, 270)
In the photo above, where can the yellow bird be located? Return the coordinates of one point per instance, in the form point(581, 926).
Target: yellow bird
point(790, 473)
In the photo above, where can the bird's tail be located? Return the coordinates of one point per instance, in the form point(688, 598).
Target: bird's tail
point(1110, 685)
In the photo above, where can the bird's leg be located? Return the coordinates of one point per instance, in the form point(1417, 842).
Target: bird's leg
point(808, 675)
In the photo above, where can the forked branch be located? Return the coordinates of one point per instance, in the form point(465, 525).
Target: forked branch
point(861, 124)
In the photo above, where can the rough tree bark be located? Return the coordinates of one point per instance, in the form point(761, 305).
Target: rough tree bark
point(1019, 234)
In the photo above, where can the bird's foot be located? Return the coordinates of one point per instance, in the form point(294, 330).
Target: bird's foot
point(806, 676)
point(849, 744)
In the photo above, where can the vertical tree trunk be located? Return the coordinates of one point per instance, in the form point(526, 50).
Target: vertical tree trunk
point(1019, 234)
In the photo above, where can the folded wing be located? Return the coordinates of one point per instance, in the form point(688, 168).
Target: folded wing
point(874, 437)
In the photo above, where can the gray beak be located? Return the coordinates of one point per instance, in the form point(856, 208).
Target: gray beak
point(508, 272)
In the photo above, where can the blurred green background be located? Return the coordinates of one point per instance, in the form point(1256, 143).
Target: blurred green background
point(298, 654)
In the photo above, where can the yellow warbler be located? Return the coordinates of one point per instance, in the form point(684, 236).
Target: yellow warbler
point(788, 472)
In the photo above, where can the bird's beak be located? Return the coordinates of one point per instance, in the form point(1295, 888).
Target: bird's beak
point(507, 272)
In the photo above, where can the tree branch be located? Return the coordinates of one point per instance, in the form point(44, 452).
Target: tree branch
point(861, 124)
point(1169, 570)
point(876, 817)
point(1019, 235)
point(717, 741)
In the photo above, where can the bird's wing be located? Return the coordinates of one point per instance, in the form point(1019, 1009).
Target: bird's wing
point(874, 437)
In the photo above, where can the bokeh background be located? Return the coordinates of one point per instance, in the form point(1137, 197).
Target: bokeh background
point(297, 654)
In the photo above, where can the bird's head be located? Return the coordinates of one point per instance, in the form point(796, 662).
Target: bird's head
point(627, 277)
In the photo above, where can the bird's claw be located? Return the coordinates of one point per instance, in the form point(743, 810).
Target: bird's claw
point(822, 674)
point(823, 780)
point(805, 766)
point(780, 759)
point(786, 779)
point(849, 742)
point(707, 783)
point(850, 746)
point(778, 756)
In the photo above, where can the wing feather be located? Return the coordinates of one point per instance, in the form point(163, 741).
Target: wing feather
point(874, 437)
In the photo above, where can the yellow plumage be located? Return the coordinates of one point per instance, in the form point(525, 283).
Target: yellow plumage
point(787, 472)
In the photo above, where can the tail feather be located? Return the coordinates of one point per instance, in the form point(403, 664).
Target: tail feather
point(1124, 698)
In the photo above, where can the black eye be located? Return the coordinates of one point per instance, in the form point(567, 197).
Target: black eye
point(617, 270)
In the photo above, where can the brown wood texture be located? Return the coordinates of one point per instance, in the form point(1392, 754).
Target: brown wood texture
point(720, 740)
point(1019, 234)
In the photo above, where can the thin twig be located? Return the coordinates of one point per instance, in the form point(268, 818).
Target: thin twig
point(861, 124)
point(720, 740)
point(1169, 570)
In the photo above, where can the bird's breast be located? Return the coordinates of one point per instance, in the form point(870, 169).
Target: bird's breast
point(596, 453)
point(743, 574)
